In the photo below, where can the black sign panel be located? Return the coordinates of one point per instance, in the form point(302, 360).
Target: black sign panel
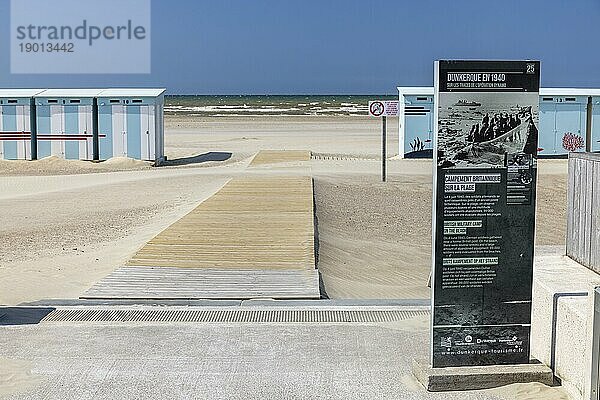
point(484, 220)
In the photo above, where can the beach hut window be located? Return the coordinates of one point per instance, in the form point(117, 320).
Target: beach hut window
point(421, 98)
point(74, 101)
point(113, 101)
point(52, 101)
point(136, 101)
point(12, 101)
point(570, 99)
point(547, 98)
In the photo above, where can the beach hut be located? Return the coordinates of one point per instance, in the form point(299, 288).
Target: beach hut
point(15, 123)
point(569, 120)
point(563, 122)
point(65, 123)
point(595, 121)
point(416, 122)
point(130, 124)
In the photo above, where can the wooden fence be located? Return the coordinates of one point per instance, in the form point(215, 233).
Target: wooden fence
point(583, 209)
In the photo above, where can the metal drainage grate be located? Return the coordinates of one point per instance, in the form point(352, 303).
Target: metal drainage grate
point(120, 315)
point(341, 157)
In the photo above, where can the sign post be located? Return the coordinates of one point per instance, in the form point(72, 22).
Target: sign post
point(485, 152)
point(383, 148)
point(383, 109)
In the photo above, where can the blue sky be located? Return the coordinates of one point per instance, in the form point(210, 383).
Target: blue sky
point(343, 46)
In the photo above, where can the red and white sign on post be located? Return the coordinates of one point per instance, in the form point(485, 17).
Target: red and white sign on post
point(383, 109)
point(380, 108)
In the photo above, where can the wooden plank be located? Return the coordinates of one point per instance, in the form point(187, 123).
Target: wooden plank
point(584, 190)
point(575, 210)
point(583, 217)
point(252, 222)
point(570, 206)
point(180, 283)
point(595, 216)
point(580, 180)
point(587, 229)
point(279, 156)
point(574, 223)
point(253, 238)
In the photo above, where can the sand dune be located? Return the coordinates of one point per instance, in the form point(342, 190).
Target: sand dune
point(373, 242)
point(375, 238)
point(54, 244)
point(54, 165)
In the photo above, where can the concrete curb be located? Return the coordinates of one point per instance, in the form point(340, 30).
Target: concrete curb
point(233, 303)
point(480, 377)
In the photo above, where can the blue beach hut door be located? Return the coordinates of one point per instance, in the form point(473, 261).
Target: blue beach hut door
point(15, 143)
point(134, 131)
point(569, 124)
point(127, 130)
point(595, 145)
point(119, 131)
point(147, 133)
point(140, 132)
point(57, 129)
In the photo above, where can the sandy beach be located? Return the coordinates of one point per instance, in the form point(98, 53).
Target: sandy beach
point(66, 224)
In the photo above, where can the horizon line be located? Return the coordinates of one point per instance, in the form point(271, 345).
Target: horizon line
point(281, 94)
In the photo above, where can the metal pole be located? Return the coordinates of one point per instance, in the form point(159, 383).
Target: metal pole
point(33, 129)
point(555, 322)
point(383, 149)
point(95, 137)
point(588, 125)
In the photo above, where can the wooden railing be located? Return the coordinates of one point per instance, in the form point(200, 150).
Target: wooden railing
point(583, 209)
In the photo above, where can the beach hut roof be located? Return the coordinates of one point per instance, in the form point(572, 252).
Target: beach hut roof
point(69, 93)
point(428, 90)
point(19, 92)
point(132, 92)
point(415, 90)
point(569, 92)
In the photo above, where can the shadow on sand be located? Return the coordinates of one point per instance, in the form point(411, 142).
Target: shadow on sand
point(200, 158)
point(23, 315)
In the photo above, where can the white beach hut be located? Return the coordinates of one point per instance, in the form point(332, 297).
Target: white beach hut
point(415, 122)
point(595, 119)
point(566, 121)
point(569, 120)
point(131, 124)
point(15, 123)
point(65, 123)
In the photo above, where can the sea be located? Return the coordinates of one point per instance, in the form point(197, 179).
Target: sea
point(252, 105)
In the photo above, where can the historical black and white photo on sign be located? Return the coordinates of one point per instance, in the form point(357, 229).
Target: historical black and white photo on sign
point(477, 129)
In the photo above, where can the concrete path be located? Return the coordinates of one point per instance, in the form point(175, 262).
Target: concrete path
point(226, 360)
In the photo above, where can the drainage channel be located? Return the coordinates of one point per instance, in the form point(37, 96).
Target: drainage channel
point(234, 315)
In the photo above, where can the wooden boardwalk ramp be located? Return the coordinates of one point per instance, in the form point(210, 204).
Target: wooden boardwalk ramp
point(253, 238)
point(279, 156)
